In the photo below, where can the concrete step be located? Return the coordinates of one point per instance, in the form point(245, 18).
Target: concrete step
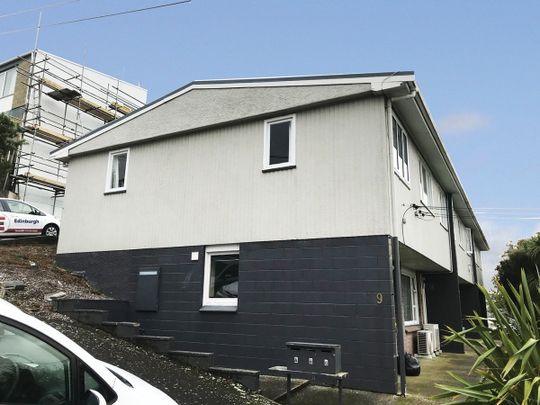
point(201, 360)
point(93, 317)
point(248, 378)
point(159, 344)
point(118, 310)
point(125, 330)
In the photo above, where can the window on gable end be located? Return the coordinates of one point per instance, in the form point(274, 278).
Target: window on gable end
point(117, 171)
point(279, 143)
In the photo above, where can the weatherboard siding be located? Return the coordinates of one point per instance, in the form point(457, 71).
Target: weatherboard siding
point(209, 188)
point(426, 235)
point(317, 290)
point(205, 107)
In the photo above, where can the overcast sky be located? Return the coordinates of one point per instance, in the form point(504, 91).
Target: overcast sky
point(477, 63)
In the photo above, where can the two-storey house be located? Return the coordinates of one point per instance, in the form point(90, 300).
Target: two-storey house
point(278, 209)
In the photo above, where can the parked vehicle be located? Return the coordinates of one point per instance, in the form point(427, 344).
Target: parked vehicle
point(39, 365)
point(20, 218)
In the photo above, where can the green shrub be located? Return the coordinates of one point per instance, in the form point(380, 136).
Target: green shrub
point(508, 363)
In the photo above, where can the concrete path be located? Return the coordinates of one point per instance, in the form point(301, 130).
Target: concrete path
point(419, 389)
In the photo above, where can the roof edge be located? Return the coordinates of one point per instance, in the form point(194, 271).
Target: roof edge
point(419, 99)
point(62, 153)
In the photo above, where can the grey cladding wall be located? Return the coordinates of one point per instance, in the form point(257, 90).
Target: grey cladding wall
point(319, 290)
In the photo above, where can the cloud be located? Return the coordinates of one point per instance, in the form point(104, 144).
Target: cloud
point(460, 123)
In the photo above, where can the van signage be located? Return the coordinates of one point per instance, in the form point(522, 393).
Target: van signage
point(26, 221)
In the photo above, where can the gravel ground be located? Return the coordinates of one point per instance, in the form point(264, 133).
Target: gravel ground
point(34, 265)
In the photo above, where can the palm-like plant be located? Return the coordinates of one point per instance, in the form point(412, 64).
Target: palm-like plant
point(508, 362)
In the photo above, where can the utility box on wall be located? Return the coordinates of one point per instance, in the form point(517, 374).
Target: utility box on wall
point(314, 357)
point(147, 296)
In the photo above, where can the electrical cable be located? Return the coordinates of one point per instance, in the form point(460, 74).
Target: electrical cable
point(29, 10)
point(118, 13)
point(79, 20)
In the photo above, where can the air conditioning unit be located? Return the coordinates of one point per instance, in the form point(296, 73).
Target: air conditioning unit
point(425, 343)
point(434, 329)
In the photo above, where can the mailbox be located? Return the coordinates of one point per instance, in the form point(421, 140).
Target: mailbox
point(314, 357)
point(147, 295)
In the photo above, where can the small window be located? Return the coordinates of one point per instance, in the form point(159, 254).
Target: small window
point(279, 143)
point(7, 82)
point(443, 209)
point(221, 265)
point(401, 150)
point(117, 171)
point(426, 185)
point(409, 298)
point(468, 240)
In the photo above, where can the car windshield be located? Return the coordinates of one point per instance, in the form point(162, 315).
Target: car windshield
point(31, 371)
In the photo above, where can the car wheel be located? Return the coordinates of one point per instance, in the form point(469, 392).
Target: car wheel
point(51, 231)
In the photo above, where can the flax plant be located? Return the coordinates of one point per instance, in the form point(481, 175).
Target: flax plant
point(508, 363)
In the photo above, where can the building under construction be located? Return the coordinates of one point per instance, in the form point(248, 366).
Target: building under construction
point(55, 101)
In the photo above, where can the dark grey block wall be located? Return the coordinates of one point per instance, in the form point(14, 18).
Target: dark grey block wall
point(320, 290)
point(444, 307)
point(472, 300)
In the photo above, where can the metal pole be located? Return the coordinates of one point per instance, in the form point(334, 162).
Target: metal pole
point(288, 401)
point(399, 315)
point(340, 391)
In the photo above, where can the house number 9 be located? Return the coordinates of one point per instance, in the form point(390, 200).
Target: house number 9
point(379, 298)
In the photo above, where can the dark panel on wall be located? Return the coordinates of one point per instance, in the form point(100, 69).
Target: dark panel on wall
point(472, 300)
point(321, 290)
point(147, 294)
point(444, 306)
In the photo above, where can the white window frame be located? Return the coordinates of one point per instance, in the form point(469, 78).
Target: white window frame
point(112, 154)
point(443, 209)
point(468, 241)
point(426, 198)
point(4, 91)
point(414, 298)
point(217, 250)
point(292, 142)
point(401, 165)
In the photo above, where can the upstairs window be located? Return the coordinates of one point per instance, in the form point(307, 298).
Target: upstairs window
point(401, 150)
point(468, 241)
point(117, 171)
point(443, 208)
point(7, 82)
point(426, 194)
point(279, 143)
point(221, 276)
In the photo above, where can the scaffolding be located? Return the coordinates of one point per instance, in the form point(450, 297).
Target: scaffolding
point(63, 102)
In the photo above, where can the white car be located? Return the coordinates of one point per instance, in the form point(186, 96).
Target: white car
point(20, 218)
point(39, 365)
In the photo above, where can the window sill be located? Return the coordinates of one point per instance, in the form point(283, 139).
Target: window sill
point(414, 326)
point(219, 308)
point(277, 168)
point(400, 177)
point(108, 192)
